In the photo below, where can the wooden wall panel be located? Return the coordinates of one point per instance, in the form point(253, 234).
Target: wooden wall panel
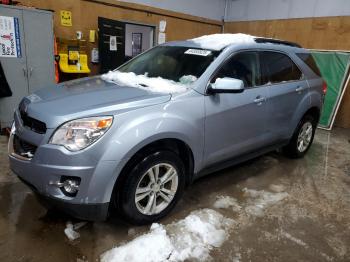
point(316, 33)
point(331, 33)
point(343, 117)
point(85, 14)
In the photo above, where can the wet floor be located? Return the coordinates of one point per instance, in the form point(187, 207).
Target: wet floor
point(311, 224)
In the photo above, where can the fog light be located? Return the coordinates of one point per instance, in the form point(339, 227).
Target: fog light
point(70, 186)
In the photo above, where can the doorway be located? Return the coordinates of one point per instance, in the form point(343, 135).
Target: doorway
point(120, 41)
point(136, 43)
point(138, 38)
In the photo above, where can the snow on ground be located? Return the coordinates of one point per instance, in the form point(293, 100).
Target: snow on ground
point(277, 188)
point(71, 232)
point(193, 237)
point(153, 84)
point(190, 238)
point(219, 41)
point(225, 202)
point(259, 200)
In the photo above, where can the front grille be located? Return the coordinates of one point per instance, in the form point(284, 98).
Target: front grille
point(34, 124)
point(23, 148)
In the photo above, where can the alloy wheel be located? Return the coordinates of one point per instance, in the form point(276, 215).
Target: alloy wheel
point(305, 136)
point(156, 189)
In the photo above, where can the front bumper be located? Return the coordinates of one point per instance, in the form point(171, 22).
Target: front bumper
point(50, 163)
point(90, 212)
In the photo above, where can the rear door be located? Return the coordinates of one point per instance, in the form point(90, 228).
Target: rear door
point(236, 123)
point(286, 89)
point(111, 44)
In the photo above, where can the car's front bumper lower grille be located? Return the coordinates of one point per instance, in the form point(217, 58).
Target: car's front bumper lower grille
point(23, 148)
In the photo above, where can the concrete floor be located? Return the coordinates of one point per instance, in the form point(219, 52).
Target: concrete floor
point(312, 224)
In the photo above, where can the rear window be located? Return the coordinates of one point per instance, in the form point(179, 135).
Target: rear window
point(279, 68)
point(310, 61)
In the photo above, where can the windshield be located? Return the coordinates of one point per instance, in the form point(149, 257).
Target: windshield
point(179, 64)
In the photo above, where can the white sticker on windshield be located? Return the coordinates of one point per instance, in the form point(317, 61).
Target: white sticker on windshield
point(198, 52)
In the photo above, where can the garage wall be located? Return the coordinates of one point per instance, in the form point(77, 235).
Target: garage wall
point(319, 32)
point(204, 8)
point(247, 10)
point(85, 15)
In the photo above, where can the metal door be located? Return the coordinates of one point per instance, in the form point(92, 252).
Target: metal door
point(136, 43)
point(39, 46)
point(286, 90)
point(235, 124)
point(111, 44)
point(15, 69)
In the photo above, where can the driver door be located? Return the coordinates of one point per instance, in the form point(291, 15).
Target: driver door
point(235, 123)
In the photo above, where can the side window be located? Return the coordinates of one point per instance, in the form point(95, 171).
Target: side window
point(278, 68)
point(310, 61)
point(244, 66)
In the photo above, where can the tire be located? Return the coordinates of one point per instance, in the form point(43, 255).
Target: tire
point(142, 209)
point(294, 149)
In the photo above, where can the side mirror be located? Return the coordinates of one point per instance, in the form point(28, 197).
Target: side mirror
point(227, 85)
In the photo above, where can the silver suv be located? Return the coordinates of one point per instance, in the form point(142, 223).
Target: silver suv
point(132, 140)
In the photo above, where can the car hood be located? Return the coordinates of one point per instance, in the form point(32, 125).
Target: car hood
point(87, 97)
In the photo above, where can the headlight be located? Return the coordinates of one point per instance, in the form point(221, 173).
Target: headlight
point(79, 134)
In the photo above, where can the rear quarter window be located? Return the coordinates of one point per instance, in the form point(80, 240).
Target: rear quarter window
point(310, 62)
point(279, 67)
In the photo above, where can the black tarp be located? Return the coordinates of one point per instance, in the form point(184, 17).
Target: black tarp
point(4, 86)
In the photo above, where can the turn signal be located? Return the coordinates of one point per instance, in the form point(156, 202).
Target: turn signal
point(105, 123)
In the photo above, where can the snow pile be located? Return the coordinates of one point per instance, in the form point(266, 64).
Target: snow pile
point(191, 238)
point(154, 84)
point(153, 246)
point(194, 236)
point(260, 200)
point(70, 230)
point(219, 41)
point(225, 202)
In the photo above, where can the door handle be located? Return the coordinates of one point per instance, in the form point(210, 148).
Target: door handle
point(300, 88)
point(30, 71)
point(25, 72)
point(259, 100)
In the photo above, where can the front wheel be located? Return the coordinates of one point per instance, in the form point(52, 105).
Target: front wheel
point(152, 188)
point(302, 138)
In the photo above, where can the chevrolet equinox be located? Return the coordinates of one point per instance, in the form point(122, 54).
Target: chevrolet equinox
point(132, 139)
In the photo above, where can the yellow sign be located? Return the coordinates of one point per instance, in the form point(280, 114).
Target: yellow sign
point(92, 36)
point(66, 18)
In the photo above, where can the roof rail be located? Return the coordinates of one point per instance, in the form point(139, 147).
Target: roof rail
point(275, 41)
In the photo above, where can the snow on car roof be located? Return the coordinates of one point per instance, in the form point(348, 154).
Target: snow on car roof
point(219, 41)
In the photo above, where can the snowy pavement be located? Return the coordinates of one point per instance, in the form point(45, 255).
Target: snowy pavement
point(193, 237)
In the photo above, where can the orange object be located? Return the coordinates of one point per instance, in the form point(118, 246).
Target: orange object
point(104, 123)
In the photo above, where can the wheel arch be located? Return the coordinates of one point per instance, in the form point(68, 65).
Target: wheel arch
point(313, 111)
point(181, 148)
